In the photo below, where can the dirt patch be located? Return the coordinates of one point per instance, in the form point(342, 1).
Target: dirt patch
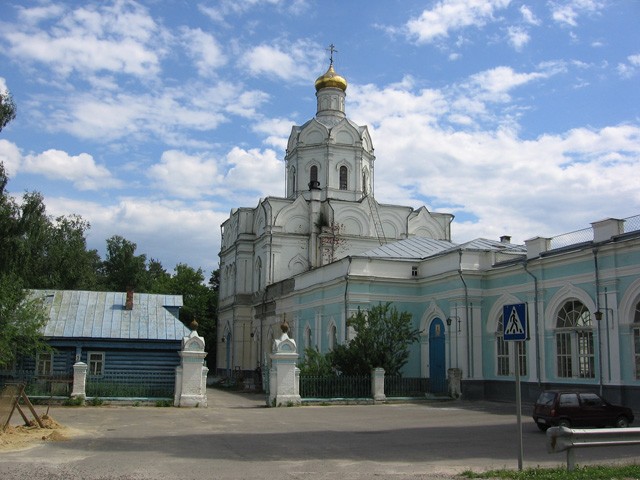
point(27, 436)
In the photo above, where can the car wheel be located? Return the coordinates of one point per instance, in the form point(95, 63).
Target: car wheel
point(622, 422)
point(564, 423)
point(542, 427)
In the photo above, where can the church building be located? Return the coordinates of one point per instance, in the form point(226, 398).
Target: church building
point(328, 248)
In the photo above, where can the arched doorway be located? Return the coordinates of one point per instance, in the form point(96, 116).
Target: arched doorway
point(437, 362)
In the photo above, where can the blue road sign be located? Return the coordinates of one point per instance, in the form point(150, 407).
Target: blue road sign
point(514, 321)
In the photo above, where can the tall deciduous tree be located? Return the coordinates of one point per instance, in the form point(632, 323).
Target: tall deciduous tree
point(122, 268)
point(8, 109)
point(383, 337)
point(21, 321)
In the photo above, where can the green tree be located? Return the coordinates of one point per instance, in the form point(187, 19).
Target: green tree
point(44, 253)
point(159, 278)
point(71, 265)
point(22, 320)
point(8, 109)
point(122, 268)
point(383, 337)
point(315, 363)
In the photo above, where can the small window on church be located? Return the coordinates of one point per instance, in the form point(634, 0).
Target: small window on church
point(314, 174)
point(343, 178)
point(414, 271)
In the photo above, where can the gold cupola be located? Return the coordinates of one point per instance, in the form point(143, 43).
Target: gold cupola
point(331, 80)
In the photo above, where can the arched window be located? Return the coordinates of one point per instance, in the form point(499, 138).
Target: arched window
point(503, 357)
point(293, 180)
point(307, 337)
point(636, 339)
point(574, 341)
point(313, 176)
point(333, 336)
point(343, 178)
point(258, 276)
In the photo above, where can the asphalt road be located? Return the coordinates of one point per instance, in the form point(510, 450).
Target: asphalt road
point(238, 438)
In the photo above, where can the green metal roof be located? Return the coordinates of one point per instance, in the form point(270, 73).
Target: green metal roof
point(84, 314)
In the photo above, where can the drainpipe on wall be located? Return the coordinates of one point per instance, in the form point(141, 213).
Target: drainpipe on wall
point(346, 305)
point(535, 318)
point(595, 266)
point(466, 315)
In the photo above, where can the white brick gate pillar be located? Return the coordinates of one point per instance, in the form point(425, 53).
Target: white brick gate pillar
point(284, 378)
point(191, 374)
point(79, 380)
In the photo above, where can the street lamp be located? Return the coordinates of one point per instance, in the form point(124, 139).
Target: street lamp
point(598, 316)
point(449, 320)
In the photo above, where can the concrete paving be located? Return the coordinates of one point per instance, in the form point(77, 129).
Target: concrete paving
point(237, 437)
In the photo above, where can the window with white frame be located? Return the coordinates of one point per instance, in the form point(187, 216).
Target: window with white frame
point(95, 362)
point(575, 352)
point(343, 178)
point(636, 339)
point(44, 363)
point(503, 352)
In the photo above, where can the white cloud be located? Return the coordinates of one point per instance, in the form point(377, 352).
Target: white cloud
point(567, 13)
point(277, 131)
point(494, 84)
point(81, 170)
point(628, 70)
point(157, 224)
point(165, 114)
point(204, 49)
point(452, 15)
point(120, 37)
point(493, 175)
point(518, 37)
point(185, 176)
point(10, 156)
point(291, 61)
point(224, 8)
point(528, 16)
point(245, 104)
point(253, 171)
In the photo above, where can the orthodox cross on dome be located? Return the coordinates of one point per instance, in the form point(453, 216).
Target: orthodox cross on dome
point(332, 50)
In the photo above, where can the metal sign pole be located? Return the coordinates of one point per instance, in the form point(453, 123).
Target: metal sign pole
point(518, 405)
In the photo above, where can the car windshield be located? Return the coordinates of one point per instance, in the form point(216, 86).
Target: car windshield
point(546, 398)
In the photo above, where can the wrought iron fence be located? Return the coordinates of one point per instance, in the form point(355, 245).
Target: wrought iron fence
point(338, 386)
point(131, 385)
point(396, 386)
point(37, 385)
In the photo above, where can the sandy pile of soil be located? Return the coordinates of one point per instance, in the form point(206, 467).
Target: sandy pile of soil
point(25, 436)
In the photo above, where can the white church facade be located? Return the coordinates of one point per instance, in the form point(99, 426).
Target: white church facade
point(328, 248)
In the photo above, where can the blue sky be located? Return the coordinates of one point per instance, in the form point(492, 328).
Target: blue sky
point(153, 119)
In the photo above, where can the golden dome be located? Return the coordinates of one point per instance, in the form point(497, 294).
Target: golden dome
point(331, 80)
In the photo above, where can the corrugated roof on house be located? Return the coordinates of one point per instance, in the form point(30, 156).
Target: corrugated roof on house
point(84, 314)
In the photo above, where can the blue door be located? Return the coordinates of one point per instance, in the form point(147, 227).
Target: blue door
point(437, 363)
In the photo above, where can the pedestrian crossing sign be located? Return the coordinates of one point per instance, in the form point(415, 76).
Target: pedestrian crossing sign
point(514, 322)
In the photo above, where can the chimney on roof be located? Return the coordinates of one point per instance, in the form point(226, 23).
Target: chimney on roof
point(129, 302)
point(505, 239)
